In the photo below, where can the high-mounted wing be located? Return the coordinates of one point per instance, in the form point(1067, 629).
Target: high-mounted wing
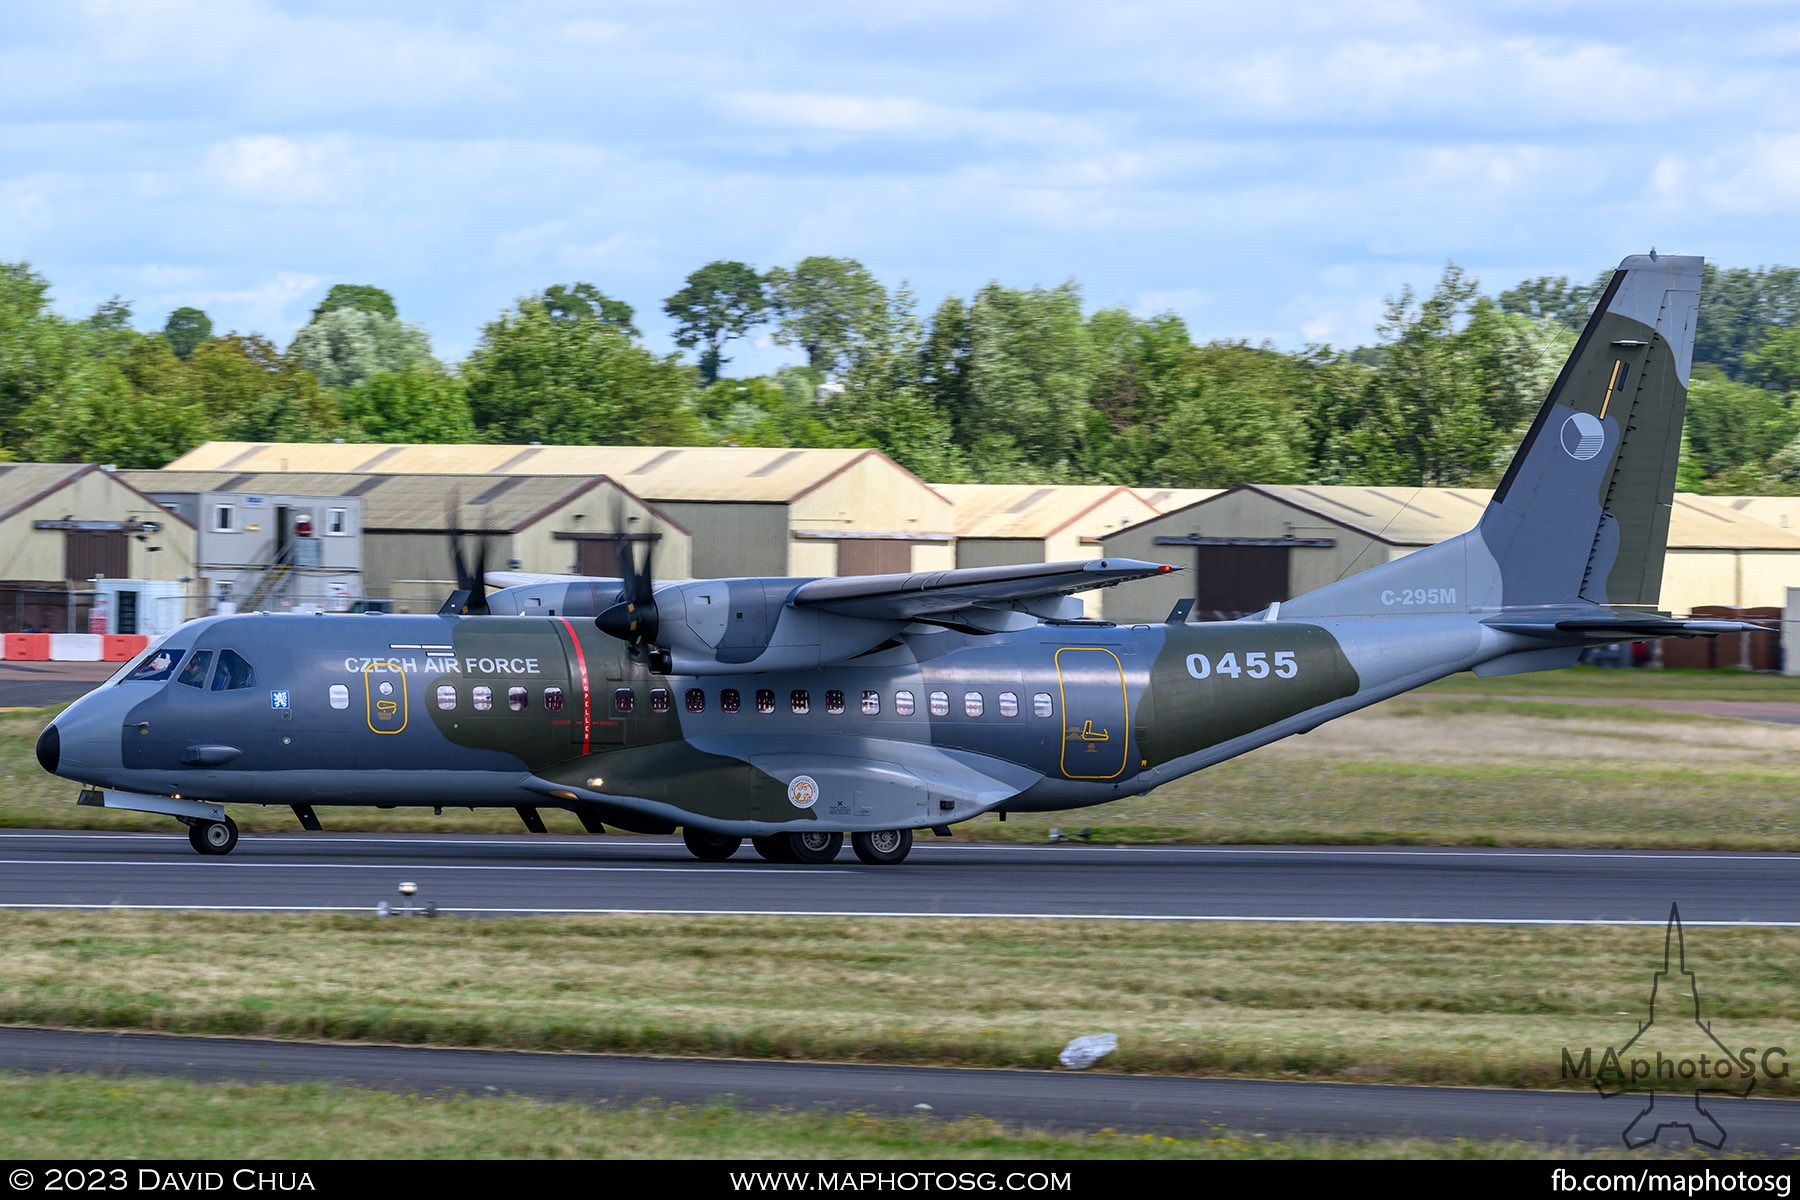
point(933, 593)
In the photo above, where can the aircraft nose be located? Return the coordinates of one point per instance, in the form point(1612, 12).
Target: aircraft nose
point(49, 748)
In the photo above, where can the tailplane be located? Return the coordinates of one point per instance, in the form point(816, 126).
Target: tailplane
point(1581, 517)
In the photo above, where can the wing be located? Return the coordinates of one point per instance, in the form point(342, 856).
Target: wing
point(938, 593)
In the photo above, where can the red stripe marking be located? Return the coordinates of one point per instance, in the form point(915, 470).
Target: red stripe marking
point(587, 710)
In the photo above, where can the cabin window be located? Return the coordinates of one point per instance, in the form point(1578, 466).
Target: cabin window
point(340, 696)
point(971, 704)
point(624, 700)
point(903, 704)
point(1009, 704)
point(834, 702)
point(659, 700)
point(940, 704)
point(225, 518)
point(553, 699)
point(1040, 704)
point(729, 701)
point(482, 698)
point(234, 672)
point(158, 666)
point(695, 700)
point(765, 700)
point(871, 704)
point(800, 700)
point(194, 674)
point(517, 698)
point(446, 696)
point(337, 521)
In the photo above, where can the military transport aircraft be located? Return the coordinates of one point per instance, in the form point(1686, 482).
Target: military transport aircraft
point(796, 711)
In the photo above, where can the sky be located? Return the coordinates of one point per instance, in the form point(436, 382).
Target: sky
point(1269, 172)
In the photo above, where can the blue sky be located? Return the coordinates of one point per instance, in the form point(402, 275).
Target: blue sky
point(1269, 171)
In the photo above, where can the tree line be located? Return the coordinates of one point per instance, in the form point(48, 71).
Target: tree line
point(1007, 385)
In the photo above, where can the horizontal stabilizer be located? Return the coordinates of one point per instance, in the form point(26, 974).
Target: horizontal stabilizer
point(924, 593)
point(1622, 629)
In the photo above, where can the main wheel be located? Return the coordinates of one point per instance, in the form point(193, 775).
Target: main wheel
point(213, 837)
point(775, 849)
point(882, 846)
point(709, 847)
point(814, 847)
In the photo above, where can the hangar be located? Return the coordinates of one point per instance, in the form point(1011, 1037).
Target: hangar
point(752, 511)
point(1256, 543)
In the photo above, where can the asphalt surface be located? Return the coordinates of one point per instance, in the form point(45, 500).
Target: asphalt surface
point(496, 875)
point(37, 684)
point(1066, 1100)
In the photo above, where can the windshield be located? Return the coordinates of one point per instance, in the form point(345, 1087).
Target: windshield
point(158, 666)
point(132, 669)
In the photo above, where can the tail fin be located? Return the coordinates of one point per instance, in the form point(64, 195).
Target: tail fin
point(1582, 514)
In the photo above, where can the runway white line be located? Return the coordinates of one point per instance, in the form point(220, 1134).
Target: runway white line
point(1648, 922)
point(264, 864)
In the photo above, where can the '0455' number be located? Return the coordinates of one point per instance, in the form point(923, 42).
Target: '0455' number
point(1257, 664)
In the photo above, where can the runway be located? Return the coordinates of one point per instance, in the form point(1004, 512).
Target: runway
point(489, 875)
point(498, 876)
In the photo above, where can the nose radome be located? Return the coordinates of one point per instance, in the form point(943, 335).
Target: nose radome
point(49, 748)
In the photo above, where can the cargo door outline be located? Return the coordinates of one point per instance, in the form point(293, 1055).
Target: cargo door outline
point(1096, 715)
point(385, 714)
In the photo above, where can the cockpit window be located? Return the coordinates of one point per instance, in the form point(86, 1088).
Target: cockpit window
point(233, 672)
point(158, 666)
point(194, 674)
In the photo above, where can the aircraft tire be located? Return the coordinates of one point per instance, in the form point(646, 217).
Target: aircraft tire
point(709, 847)
point(814, 847)
point(774, 849)
point(213, 837)
point(883, 846)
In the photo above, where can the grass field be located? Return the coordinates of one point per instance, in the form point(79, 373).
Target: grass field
point(1429, 768)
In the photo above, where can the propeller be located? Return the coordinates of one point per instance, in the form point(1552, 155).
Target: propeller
point(633, 619)
point(470, 596)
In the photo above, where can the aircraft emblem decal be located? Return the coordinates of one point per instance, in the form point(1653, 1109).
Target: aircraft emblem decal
point(279, 699)
point(1583, 436)
point(803, 791)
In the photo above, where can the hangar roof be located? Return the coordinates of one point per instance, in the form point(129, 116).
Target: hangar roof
point(1027, 511)
point(1421, 516)
point(1170, 499)
point(24, 484)
point(745, 474)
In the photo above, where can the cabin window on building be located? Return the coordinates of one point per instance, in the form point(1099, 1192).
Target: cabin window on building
point(903, 704)
point(337, 521)
point(940, 704)
point(624, 700)
point(695, 700)
point(516, 699)
point(659, 700)
point(871, 704)
point(340, 696)
point(225, 518)
point(194, 674)
point(1009, 704)
point(971, 704)
point(446, 696)
point(834, 702)
point(765, 700)
point(482, 698)
point(234, 672)
point(1040, 704)
point(729, 700)
point(553, 699)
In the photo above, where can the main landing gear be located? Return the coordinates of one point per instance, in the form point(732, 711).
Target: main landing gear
point(880, 848)
point(213, 837)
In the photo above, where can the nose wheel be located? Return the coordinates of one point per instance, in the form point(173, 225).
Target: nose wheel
point(213, 837)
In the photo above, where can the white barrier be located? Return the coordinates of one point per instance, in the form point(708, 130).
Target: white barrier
point(75, 647)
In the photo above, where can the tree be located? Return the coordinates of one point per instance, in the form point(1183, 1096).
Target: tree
point(584, 301)
point(185, 329)
point(250, 392)
point(720, 303)
point(347, 345)
point(416, 404)
point(359, 296)
point(1555, 299)
point(828, 307)
point(535, 378)
point(1738, 309)
point(1030, 364)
